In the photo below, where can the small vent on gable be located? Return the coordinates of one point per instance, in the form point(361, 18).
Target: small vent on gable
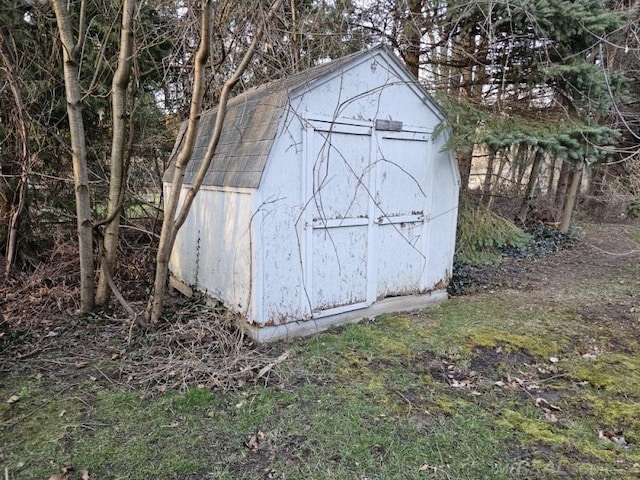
point(389, 125)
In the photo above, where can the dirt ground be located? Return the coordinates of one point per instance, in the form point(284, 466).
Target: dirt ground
point(600, 247)
point(602, 250)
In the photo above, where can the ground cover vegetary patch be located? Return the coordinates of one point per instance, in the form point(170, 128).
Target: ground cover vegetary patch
point(536, 375)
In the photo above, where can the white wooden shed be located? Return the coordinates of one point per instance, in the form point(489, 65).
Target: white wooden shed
point(329, 199)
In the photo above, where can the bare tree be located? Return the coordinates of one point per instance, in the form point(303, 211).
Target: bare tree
point(173, 219)
point(19, 193)
point(118, 140)
point(531, 185)
point(572, 193)
point(71, 49)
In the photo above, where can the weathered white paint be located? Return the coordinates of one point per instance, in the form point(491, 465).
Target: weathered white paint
point(213, 249)
point(347, 220)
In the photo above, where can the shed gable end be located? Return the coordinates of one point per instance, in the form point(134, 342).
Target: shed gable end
point(252, 120)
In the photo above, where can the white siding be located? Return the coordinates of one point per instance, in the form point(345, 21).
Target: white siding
point(369, 90)
point(280, 287)
point(213, 247)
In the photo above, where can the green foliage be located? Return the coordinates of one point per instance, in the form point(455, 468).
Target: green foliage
point(544, 240)
point(584, 87)
point(573, 141)
point(482, 234)
point(549, 85)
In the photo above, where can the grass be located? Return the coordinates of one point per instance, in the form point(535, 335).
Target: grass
point(452, 393)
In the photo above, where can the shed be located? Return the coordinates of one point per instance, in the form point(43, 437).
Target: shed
point(329, 199)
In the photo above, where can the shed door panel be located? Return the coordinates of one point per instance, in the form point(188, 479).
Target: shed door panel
point(401, 163)
point(340, 271)
point(340, 174)
point(400, 261)
point(340, 203)
point(401, 204)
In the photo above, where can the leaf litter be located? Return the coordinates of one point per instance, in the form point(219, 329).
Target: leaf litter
point(199, 344)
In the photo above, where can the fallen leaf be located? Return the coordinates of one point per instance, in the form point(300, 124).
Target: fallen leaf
point(545, 405)
point(115, 356)
point(499, 383)
point(613, 435)
point(254, 441)
point(13, 399)
point(554, 359)
point(58, 476)
point(462, 383)
point(252, 444)
point(619, 441)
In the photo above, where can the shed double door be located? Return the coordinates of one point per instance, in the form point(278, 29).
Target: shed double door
point(366, 216)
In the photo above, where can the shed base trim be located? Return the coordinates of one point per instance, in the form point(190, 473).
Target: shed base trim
point(309, 327)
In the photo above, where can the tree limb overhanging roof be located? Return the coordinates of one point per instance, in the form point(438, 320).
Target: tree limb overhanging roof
point(250, 126)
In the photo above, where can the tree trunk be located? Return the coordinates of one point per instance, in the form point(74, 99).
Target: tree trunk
point(561, 189)
point(167, 235)
point(488, 177)
point(296, 47)
point(522, 160)
point(172, 223)
point(498, 182)
point(462, 50)
point(413, 35)
point(596, 182)
point(519, 154)
point(531, 186)
point(552, 176)
point(567, 211)
point(71, 52)
point(464, 163)
point(117, 167)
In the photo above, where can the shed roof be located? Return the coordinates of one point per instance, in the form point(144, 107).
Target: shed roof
point(250, 127)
